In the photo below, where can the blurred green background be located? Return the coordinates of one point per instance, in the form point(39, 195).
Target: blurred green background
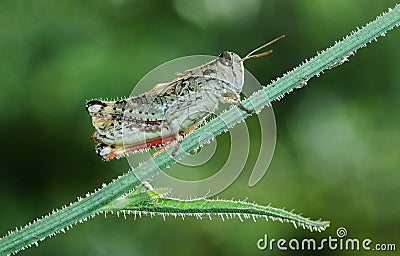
point(337, 153)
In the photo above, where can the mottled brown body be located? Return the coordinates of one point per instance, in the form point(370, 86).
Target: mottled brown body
point(168, 110)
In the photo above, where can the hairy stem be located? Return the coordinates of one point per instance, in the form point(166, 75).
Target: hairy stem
point(85, 208)
point(203, 207)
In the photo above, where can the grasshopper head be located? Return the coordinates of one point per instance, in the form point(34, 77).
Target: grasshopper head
point(230, 66)
point(231, 70)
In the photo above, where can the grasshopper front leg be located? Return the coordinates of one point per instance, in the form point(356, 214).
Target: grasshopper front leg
point(234, 98)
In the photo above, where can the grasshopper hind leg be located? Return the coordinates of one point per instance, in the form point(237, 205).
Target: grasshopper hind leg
point(178, 138)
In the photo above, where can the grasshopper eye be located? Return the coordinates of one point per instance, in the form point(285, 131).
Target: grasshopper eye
point(226, 59)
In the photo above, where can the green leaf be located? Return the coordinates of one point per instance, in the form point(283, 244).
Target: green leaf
point(155, 204)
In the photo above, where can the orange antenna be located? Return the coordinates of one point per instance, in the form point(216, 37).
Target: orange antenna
point(250, 56)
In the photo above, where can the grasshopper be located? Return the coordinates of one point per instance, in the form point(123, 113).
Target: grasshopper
point(168, 111)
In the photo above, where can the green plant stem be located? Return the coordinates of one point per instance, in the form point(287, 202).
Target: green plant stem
point(89, 206)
